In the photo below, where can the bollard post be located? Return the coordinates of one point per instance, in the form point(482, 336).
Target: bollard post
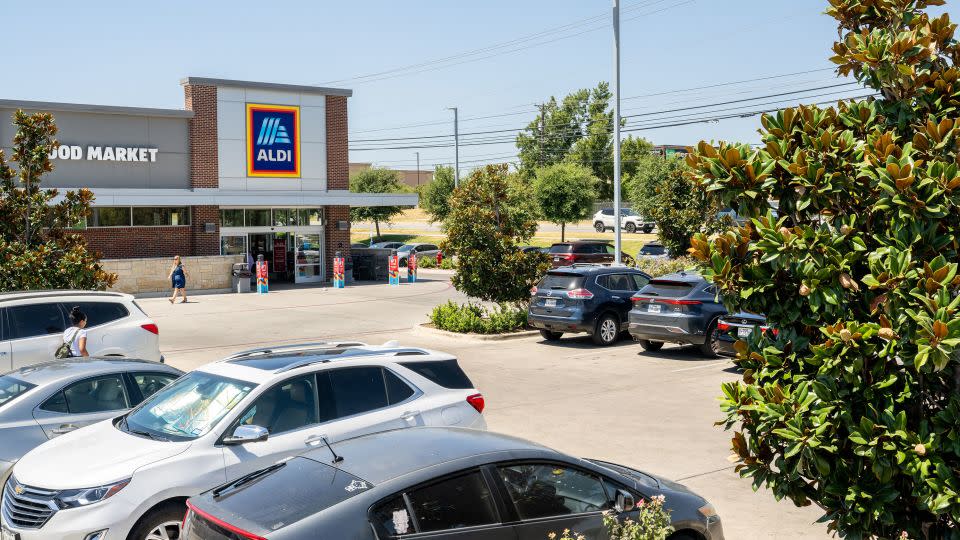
point(394, 269)
point(263, 280)
point(339, 281)
point(412, 268)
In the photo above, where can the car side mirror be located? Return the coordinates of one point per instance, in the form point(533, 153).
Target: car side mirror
point(625, 502)
point(247, 434)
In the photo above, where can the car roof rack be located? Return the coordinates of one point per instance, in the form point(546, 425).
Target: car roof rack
point(291, 347)
point(335, 354)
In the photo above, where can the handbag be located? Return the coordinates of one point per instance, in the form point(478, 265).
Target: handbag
point(65, 350)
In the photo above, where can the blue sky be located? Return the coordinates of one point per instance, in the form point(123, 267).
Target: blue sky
point(130, 53)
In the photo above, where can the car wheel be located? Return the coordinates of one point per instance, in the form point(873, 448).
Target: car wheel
point(681, 536)
point(631, 228)
point(162, 523)
point(711, 347)
point(599, 226)
point(648, 229)
point(607, 330)
point(550, 336)
point(651, 346)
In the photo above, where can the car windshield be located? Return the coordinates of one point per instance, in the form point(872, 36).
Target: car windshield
point(188, 408)
point(626, 212)
point(11, 388)
point(653, 249)
point(561, 248)
point(406, 247)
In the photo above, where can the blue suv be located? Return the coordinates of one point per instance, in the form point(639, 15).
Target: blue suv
point(585, 298)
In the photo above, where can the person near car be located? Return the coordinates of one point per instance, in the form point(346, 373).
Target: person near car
point(76, 335)
point(178, 280)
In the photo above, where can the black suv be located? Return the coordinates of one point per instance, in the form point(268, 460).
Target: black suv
point(584, 298)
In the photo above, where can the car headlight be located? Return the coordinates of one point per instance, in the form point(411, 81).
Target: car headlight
point(75, 498)
point(709, 513)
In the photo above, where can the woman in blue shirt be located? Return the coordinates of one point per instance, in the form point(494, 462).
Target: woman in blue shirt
point(178, 280)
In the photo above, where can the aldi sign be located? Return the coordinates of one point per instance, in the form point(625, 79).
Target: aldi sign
point(273, 140)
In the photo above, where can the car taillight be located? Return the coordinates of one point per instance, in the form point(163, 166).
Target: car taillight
point(565, 256)
point(477, 402)
point(533, 290)
point(151, 327)
point(223, 524)
point(722, 326)
point(579, 294)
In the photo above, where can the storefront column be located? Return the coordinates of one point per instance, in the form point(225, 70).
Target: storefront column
point(336, 239)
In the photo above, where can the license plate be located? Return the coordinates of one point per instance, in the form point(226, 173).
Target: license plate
point(654, 308)
point(550, 302)
point(744, 331)
point(556, 259)
point(8, 535)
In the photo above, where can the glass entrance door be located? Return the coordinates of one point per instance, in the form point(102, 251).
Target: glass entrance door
point(307, 262)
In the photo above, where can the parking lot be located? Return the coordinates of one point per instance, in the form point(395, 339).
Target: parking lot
point(654, 411)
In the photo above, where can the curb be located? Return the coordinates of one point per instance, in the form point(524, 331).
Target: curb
point(424, 330)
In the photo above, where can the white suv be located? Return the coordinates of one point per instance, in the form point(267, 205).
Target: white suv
point(631, 222)
point(32, 325)
point(128, 478)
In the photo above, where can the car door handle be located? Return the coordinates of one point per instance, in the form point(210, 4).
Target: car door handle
point(65, 428)
point(314, 440)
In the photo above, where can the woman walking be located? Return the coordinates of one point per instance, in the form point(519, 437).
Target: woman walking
point(75, 337)
point(178, 279)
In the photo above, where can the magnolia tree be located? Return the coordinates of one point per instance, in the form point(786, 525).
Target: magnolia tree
point(38, 247)
point(855, 404)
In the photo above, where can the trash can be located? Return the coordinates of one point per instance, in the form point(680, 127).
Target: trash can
point(241, 278)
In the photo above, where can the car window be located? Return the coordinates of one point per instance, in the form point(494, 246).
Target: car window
point(357, 390)
point(96, 395)
point(288, 406)
point(99, 312)
point(33, 320)
point(151, 383)
point(397, 390)
point(464, 501)
point(446, 373)
point(607, 248)
point(607, 211)
point(394, 517)
point(617, 282)
point(561, 248)
point(545, 490)
point(559, 281)
point(11, 388)
point(639, 281)
point(56, 403)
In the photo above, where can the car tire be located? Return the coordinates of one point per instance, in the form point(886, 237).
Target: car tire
point(681, 536)
point(607, 330)
point(631, 227)
point(711, 347)
point(599, 226)
point(647, 229)
point(551, 336)
point(651, 346)
point(160, 523)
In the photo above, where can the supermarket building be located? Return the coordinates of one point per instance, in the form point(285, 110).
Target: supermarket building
point(244, 167)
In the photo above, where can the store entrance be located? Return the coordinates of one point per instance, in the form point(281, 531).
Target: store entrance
point(292, 257)
point(276, 250)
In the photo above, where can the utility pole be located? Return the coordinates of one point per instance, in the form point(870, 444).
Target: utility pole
point(456, 145)
point(418, 169)
point(616, 130)
point(543, 128)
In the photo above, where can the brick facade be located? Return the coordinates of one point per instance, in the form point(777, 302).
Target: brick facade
point(186, 240)
point(338, 166)
point(204, 163)
point(334, 239)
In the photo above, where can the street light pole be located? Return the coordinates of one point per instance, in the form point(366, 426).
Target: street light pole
point(456, 145)
point(616, 129)
point(418, 169)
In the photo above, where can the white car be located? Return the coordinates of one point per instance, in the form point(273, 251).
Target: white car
point(128, 478)
point(630, 221)
point(34, 322)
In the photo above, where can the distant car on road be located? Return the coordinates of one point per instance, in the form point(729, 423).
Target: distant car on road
point(583, 251)
point(630, 221)
point(739, 326)
point(44, 401)
point(584, 298)
point(421, 250)
point(387, 245)
point(469, 485)
point(33, 323)
point(653, 250)
point(678, 308)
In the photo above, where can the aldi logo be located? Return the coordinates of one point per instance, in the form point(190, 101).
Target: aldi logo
point(273, 140)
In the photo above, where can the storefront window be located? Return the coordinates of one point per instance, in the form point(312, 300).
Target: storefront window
point(258, 217)
point(231, 217)
point(161, 216)
point(110, 216)
point(315, 216)
point(233, 245)
point(284, 217)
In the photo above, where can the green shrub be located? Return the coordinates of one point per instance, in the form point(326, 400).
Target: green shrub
point(426, 262)
point(662, 267)
point(448, 263)
point(471, 318)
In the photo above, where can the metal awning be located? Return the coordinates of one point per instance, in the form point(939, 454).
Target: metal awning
point(245, 199)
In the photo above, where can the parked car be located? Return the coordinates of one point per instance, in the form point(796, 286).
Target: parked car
point(534, 249)
point(630, 221)
point(739, 326)
point(470, 485)
point(679, 308)
point(387, 245)
point(358, 246)
point(44, 401)
point(584, 251)
point(421, 250)
point(653, 250)
point(584, 298)
point(32, 325)
point(131, 475)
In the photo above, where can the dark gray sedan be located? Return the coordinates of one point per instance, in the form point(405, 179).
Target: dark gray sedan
point(446, 483)
point(43, 401)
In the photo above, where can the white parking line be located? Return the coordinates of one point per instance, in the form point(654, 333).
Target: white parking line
point(700, 367)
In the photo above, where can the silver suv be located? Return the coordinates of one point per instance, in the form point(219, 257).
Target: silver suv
point(630, 221)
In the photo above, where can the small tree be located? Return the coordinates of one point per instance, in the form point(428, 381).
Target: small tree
point(491, 215)
point(565, 193)
point(376, 180)
point(435, 196)
point(38, 249)
point(661, 192)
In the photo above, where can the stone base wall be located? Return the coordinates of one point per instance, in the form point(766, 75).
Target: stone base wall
point(137, 276)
